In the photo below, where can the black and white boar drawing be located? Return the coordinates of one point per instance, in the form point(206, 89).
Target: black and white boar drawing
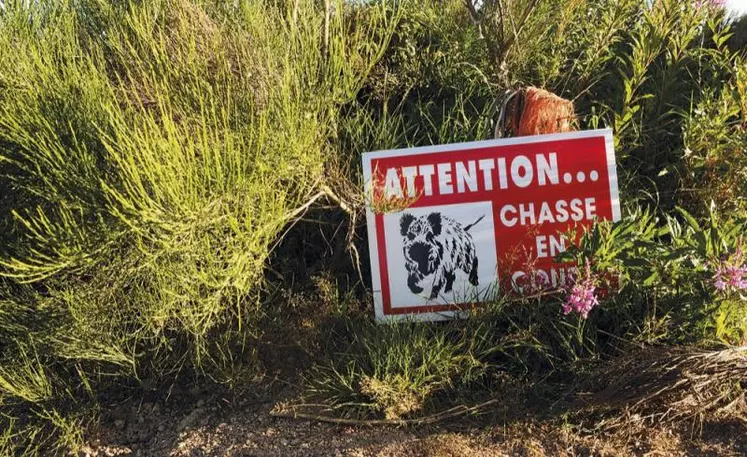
point(440, 246)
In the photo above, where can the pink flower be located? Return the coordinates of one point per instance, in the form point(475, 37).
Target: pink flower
point(711, 3)
point(582, 293)
point(730, 274)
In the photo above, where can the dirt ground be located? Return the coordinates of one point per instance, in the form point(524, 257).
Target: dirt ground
point(216, 426)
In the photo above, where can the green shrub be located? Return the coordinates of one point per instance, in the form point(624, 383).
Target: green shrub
point(664, 288)
point(713, 169)
point(152, 154)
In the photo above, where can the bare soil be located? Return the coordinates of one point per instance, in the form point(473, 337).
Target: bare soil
point(216, 426)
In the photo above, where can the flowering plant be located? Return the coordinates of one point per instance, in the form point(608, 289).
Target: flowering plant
point(730, 273)
point(710, 3)
point(582, 293)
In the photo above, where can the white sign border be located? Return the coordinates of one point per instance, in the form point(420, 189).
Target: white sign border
point(373, 247)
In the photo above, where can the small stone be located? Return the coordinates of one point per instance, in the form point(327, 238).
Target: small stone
point(190, 420)
point(200, 403)
point(119, 423)
point(284, 442)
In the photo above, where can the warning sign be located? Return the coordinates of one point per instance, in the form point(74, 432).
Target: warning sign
point(451, 225)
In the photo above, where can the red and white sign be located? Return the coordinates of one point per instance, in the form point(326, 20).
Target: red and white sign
point(450, 225)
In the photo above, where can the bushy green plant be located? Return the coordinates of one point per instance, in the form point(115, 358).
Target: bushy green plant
point(715, 134)
point(662, 275)
point(152, 153)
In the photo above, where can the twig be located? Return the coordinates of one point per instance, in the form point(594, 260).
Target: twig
point(336, 198)
point(303, 208)
point(353, 214)
point(517, 30)
point(456, 411)
point(347, 207)
point(472, 11)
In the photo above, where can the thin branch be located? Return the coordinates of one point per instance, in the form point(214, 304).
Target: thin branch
point(517, 30)
point(337, 199)
point(353, 214)
point(305, 207)
point(501, 19)
point(456, 411)
point(472, 11)
point(347, 207)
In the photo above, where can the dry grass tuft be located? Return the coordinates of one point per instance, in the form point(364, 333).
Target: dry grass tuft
point(672, 385)
point(396, 398)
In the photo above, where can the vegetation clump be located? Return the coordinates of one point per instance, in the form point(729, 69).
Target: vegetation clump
point(181, 198)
